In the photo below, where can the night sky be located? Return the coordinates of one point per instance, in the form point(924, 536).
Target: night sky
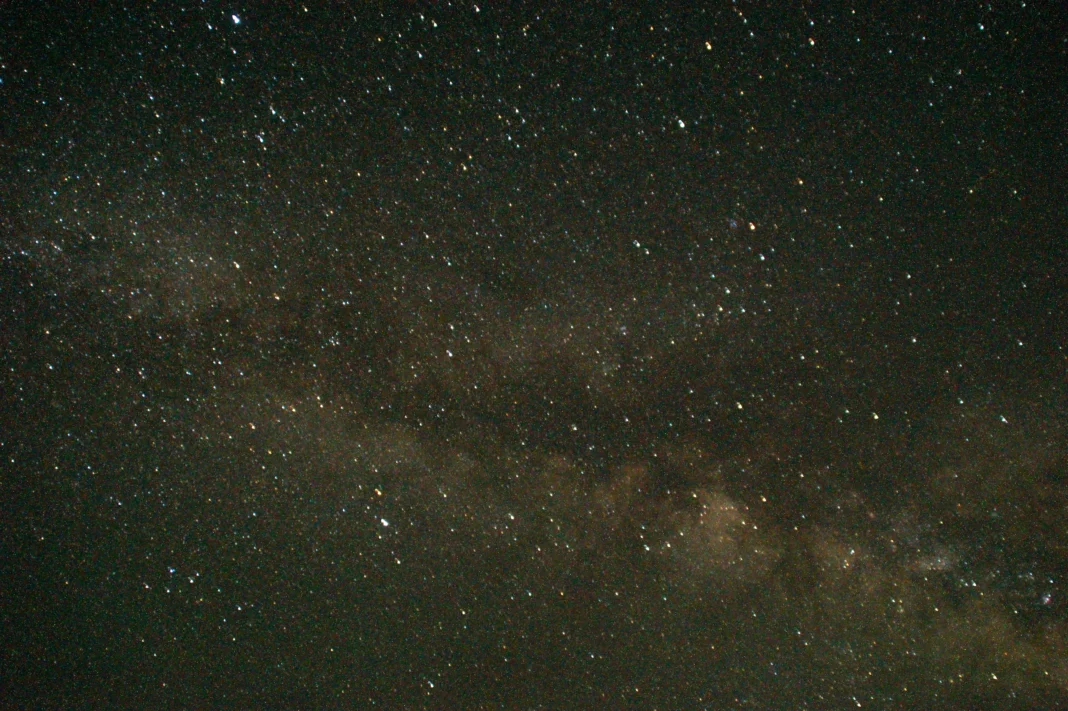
point(517, 356)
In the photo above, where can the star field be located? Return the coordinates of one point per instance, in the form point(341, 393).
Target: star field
point(559, 356)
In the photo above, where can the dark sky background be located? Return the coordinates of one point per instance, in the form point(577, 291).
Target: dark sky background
point(517, 356)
